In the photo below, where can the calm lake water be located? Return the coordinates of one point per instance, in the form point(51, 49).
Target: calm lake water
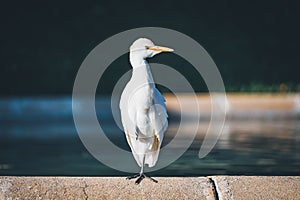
point(38, 137)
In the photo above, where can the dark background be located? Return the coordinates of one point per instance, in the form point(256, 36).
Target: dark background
point(255, 44)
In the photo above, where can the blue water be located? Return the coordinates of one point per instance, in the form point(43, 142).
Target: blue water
point(38, 137)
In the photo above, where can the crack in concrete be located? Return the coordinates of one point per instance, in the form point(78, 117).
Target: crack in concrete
point(84, 190)
point(223, 186)
point(214, 188)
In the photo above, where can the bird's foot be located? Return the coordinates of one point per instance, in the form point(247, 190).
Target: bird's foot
point(140, 177)
point(132, 177)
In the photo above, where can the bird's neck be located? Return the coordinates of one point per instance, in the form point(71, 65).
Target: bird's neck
point(141, 69)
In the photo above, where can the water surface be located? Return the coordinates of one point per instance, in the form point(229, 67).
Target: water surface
point(38, 137)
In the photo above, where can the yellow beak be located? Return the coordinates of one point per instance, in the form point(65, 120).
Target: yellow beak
point(159, 48)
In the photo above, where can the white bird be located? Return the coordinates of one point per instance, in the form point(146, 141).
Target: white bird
point(143, 109)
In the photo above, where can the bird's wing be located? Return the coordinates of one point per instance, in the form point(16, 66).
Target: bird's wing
point(128, 113)
point(158, 117)
point(128, 110)
point(158, 122)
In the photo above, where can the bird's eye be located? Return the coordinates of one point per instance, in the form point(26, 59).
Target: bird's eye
point(147, 47)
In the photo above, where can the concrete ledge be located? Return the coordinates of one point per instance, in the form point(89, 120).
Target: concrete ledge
point(257, 187)
point(215, 187)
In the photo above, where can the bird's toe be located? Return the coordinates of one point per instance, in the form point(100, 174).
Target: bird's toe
point(140, 178)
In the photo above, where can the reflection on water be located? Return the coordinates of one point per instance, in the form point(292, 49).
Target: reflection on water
point(38, 137)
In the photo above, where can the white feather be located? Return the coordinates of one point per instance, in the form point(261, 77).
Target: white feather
point(143, 109)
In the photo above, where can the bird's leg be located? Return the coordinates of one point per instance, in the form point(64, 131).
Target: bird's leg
point(142, 172)
point(138, 175)
point(141, 175)
point(143, 163)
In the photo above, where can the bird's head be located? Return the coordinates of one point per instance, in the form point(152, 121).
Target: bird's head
point(145, 48)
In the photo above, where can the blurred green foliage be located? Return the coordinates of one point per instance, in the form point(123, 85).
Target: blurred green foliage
point(255, 44)
point(260, 87)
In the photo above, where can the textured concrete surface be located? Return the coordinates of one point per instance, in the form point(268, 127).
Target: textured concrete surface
point(104, 188)
point(257, 187)
point(215, 187)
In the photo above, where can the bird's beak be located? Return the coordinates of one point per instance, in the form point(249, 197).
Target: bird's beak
point(159, 48)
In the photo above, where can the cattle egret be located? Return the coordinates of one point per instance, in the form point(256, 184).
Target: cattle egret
point(143, 109)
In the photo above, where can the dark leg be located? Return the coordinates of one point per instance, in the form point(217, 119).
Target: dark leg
point(140, 178)
point(132, 177)
point(141, 175)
